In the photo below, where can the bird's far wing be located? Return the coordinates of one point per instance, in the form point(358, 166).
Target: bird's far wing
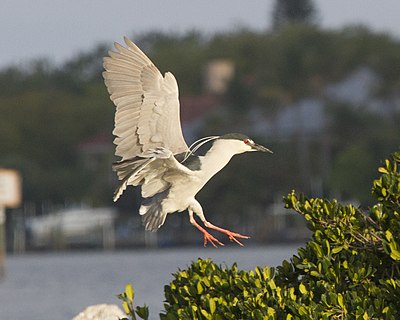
point(147, 113)
point(154, 170)
point(162, 172)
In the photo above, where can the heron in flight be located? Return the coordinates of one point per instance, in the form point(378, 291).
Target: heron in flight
point(153, 151)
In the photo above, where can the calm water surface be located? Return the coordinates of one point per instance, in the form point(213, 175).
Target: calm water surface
point(59, 286)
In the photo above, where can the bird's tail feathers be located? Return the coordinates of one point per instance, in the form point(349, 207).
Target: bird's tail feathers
point(151, 210)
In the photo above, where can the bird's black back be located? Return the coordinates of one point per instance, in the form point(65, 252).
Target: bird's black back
point(192, 162)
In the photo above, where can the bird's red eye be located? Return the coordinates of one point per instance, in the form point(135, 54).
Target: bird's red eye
point(246, 141)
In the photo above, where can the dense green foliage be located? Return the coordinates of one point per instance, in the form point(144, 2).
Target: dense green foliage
point(349, 269)
point(48, 111)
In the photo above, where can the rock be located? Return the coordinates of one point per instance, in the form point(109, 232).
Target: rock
point(101, 312)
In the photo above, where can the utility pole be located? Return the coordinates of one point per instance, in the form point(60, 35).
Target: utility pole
point(10, 197)
point(2, 241)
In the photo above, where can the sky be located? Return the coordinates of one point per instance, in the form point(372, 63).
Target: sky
point(60, 29)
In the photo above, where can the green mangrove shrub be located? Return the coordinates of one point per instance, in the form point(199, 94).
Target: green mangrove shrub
point(349, 269)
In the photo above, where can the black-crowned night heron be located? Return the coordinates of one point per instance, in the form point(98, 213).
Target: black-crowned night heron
point(149, 139)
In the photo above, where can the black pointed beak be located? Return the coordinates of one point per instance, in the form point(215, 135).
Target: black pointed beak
point(259, 147)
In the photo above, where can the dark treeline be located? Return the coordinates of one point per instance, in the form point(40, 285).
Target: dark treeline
point(50, 113)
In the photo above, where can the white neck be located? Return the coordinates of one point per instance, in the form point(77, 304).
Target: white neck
point(217, 157)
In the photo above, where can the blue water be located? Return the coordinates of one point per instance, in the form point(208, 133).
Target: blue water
point(59, 286)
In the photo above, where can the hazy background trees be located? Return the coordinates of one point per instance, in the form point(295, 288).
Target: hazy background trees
point(52, 116)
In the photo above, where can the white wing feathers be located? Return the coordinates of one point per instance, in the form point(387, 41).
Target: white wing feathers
point(150, 171)
point(147, 113)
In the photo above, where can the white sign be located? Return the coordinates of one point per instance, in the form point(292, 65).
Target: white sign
point(10, 188)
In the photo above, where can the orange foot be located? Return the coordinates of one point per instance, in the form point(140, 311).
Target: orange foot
point(211, 239)
point(208, 237)
point(231, 235)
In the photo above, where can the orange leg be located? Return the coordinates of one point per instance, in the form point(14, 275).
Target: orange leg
point(208, 237)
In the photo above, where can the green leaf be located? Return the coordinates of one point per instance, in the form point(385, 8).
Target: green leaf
point(395, 254)
point(328, 247)
point(125, 306)
point(143, 312)
point(340, 300)
point(303, 288)
point(292, 294)
point(205, 314)
point(302, 311)
point(206, 281)
point(129, 292)
point(199, 288)
point(382, 170)
point(337, 249)
point(315, 273)
point(212, 306)
point(385, 310)
point(271, 311)
point(317, 249)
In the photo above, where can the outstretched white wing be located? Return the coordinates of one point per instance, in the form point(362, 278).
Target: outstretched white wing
point(147, 114)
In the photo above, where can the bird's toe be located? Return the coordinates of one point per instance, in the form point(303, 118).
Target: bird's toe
point(211, 239)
